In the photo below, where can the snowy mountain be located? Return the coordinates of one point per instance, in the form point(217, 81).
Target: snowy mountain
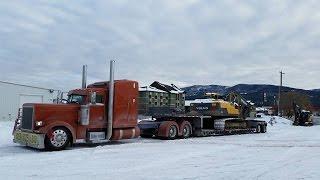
point(197, 91)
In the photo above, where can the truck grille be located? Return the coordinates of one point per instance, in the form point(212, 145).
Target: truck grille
point(27, 118)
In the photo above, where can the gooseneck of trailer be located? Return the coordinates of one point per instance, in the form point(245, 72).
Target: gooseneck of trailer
point(110, 102)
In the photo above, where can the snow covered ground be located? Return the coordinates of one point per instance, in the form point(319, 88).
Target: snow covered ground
point(285, 152)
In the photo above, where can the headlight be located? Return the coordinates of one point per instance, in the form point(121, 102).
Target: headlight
point(39, 123)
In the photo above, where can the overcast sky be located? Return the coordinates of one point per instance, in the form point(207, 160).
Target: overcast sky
point(187, 42)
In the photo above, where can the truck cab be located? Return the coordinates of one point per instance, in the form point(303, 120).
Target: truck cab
point(87, 116)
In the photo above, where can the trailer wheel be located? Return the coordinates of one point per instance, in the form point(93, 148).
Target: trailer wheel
point(173, 132)
point(258, 129)
point(57, 139)
point(263, 129)
point(168, 130)
point(186, 129)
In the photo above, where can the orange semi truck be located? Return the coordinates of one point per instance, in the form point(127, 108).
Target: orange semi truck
point(106, 111)
point(97, 113)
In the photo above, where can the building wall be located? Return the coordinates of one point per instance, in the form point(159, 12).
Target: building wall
point(12, 96)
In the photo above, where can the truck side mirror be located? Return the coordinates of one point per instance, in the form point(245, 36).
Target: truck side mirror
point(93, 98)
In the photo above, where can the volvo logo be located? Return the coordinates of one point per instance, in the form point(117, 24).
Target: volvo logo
point(202, 108)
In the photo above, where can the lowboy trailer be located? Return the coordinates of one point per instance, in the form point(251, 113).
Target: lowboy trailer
point(219, 117)
point(184, 126)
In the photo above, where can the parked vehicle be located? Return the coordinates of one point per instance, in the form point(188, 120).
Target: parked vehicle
point(301, 117)
point(95, 114)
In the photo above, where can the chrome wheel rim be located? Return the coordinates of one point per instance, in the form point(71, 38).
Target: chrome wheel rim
point(186, 131)
point(59, 138)
point(172, 132)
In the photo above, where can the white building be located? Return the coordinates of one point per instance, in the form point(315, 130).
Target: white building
point(13, 96)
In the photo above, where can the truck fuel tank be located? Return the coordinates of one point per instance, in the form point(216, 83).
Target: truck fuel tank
point(129, 133)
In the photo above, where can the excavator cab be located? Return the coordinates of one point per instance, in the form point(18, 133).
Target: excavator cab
point(244, 107)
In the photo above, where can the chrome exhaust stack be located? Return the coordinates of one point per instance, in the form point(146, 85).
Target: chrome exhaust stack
point(110, 102)
point(84, 76)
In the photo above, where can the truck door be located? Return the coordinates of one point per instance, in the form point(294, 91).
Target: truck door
point(97, 112)
point(95, 117)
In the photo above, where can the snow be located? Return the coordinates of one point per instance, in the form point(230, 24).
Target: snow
point(177, 88)
point(151, 89)
point(316, 120)
point(284, 152)
point(175, 92)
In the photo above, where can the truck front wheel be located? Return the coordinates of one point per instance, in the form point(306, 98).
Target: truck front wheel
point(57, 139)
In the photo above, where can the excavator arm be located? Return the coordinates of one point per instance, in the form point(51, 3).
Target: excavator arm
point(240, 102)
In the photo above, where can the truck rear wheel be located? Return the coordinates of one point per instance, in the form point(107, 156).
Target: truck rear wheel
point(57, 139)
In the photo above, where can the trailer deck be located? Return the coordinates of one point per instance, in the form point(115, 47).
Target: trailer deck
point(202, 125)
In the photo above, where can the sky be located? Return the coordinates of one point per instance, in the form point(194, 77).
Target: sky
point(185, 42)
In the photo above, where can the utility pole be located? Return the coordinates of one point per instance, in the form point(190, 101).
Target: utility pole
point(279, 96)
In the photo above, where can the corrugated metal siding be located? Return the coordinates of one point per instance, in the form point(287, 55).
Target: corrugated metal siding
point(10, 98)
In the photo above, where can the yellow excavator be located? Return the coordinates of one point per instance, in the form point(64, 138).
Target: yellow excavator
point(301, 117)
point(246, 109)
point(234, 105)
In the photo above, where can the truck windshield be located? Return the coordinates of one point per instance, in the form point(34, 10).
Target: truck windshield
point(75, 98)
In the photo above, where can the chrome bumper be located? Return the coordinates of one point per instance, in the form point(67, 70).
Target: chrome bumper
point(29, 139)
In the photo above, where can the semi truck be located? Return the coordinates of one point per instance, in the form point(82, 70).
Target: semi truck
point(218, 117)
point(96, 113)
point(106, 111)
